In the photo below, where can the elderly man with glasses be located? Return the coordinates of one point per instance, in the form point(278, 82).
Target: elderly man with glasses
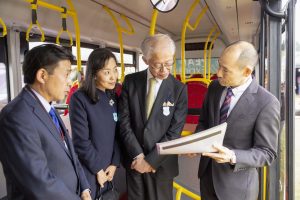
point(152, 108)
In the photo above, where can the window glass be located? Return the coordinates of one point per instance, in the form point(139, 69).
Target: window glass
point(142, 64)
point(3, 84)
point(196, 66)
point(85, 53)
point(128, 58)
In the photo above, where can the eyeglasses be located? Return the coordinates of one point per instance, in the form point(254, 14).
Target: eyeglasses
point(160, 66)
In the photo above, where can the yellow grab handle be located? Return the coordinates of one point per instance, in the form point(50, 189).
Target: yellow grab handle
point(4, 32)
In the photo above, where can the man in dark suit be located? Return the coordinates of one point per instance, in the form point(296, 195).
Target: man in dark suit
point(252, 115)
point(37, 153)
point(152, 108)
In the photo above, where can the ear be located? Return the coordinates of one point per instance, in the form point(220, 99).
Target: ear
point(145, 60)
point(247, 71)
point(41, 76)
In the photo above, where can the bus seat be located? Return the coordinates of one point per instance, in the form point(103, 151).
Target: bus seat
point(196, 95)
point(178, 77)
point(196, 76)
point(118, 88)
point(213, 77)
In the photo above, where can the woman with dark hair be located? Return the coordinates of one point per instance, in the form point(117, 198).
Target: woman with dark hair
point(93, 117)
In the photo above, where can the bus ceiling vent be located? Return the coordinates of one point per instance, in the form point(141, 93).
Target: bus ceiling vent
point(64, 28)
point(34, 21)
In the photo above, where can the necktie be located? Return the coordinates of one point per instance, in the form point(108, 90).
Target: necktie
point(56, 122)
point(150, 96)
point(225, 106)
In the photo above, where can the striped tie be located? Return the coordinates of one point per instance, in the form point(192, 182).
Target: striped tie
point(225, 106)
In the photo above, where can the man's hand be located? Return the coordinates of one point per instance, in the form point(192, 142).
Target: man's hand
point(85, 195)
point(222, 154)
point(101, 178)
point(191, 155)
point(142, 166)
point(110, 172)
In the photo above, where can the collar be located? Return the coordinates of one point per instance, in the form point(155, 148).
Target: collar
point(44, 102)
point(149, 75)
point(243, 87)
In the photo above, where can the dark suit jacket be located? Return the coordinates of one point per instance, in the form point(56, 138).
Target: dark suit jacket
point(140, 135)
point(252, 133)
point(36, 163)
point(93, 130)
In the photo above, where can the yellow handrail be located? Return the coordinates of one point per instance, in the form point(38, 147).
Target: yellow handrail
point(186, 25)
point(34, 21)
point(121, 30)
point(64, 28)
point(153, 21)
point(205, 49)
point(4, 32)
point(182, 190)
point(72, 12)
point(209, 52)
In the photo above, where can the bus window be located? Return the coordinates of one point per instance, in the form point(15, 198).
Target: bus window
point(3, 84)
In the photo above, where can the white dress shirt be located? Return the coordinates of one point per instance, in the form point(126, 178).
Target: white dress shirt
point(44, 102)
point(237, 93)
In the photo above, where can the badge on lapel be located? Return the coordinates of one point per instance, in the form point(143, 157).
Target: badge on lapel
point(166, 107)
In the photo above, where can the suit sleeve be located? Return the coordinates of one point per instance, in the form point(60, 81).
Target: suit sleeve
point(26, 160)
point(84, 147)
point(175, 128)
point(126, 134)
point(265, 140)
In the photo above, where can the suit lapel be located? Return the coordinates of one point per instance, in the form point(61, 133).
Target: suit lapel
point(45, 119)
point(217, 99)
point(141, 86)
point(245, 100)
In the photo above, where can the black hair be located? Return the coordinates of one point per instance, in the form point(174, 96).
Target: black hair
point(44, 56)
point(96, 61)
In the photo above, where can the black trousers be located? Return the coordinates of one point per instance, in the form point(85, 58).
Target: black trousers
point(148, 187)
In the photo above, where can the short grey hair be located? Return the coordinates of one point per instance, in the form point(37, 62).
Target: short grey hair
point(248, 55)
point(150, 42)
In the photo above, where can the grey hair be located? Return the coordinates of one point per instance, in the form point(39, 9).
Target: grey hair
point(248, 55)
point(150, 42)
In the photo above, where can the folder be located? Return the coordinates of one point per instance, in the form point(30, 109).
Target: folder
point(200, 142)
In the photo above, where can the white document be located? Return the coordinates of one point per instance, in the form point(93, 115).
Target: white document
point(196, 143)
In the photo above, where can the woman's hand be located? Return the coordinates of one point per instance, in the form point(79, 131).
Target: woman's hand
point(101, 178)
point(110, 172)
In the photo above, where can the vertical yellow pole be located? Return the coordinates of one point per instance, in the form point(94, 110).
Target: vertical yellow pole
point(153, 22)
point(209, 52)
point(205, 51)
point(183, 32)
point(77, 35)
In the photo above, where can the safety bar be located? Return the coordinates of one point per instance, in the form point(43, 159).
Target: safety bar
point(186, 25)
point(64, 27)
point(70, 12)
point(121, 30)
point(181, 190)
point(4, 32)
point(153, 21)
point(34, 21)
point(209, 52)
point(205, 50)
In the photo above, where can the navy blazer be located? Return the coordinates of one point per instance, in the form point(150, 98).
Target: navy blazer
point(35, 161)
point(93, 130)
